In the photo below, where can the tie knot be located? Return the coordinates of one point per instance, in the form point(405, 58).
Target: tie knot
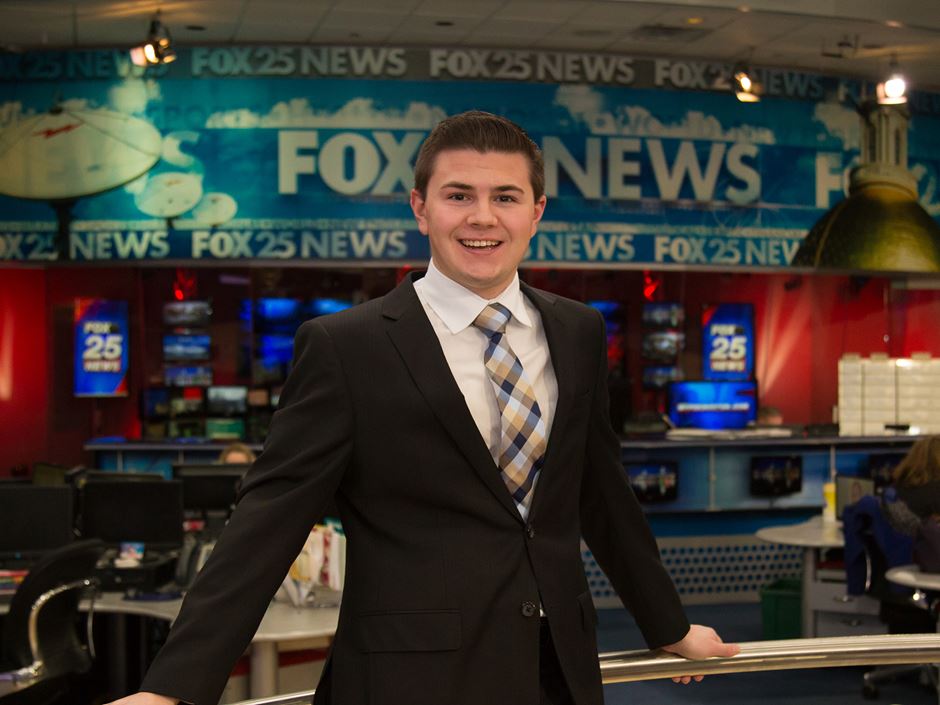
point(493, 318)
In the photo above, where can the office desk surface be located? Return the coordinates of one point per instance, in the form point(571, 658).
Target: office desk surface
point(912, 576)
point(281, 621)
point(814, 533)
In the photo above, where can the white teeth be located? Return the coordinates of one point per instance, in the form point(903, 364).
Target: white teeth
point(479, 243)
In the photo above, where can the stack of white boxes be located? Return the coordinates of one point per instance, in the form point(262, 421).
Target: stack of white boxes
point(879, 391)
point(850, 395)
point(919, 393)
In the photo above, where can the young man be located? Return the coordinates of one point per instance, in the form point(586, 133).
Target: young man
point(461, 424)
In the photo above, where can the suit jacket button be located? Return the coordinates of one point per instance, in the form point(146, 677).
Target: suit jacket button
point(529, 609)
point(530, 531)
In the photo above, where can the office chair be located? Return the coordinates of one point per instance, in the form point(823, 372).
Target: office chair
point(40, 649)
point(872, 545)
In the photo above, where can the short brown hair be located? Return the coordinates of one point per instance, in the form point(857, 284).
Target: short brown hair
point(482, 132)
point(921, 464)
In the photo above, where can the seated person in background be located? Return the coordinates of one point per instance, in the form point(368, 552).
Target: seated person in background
point(917, 486)
point(237, 453)
point(769, 416)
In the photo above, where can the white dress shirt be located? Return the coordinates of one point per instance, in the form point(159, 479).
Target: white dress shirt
point(452, 308)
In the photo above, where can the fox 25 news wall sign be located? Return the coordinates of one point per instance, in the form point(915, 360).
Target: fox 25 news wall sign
point(728, 342)
point(101, 339)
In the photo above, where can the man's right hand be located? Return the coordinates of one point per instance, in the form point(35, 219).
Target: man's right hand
point(146, 699)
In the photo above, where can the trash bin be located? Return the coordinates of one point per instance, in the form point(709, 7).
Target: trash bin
point(780, 607)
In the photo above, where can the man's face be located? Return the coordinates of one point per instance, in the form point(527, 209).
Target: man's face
point(479, 213)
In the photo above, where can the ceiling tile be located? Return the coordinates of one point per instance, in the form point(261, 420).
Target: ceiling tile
point(370, 5)
point(533, 10)
point(351, 21)
point(511, 32)
point(457, 8)
point(361, 35)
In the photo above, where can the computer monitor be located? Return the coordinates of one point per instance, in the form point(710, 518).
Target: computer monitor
point(209, 488)
point(183, 347)
point(278, 315)
point(881, 468)
point(187, 401)
point(776, 475)
point(49, 474)
point(188, 376)
point(663, 345)
point(713, 405)
point(117, 511)
point(850, 489)
point(186, 428)
point(259, 397)
point(659, 376)
point(663, 314)
point(225, 429)
point(226, 400)
point(654, 482)
point(114, 476)
point(187, 314)
point(155, 403)
point(322, 306)
point(36, 519)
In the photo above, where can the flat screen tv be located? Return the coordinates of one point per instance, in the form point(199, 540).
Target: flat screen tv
point(663, 345)
point(663, 314)
point(179, 347)
point(225, 429)
point(659, 376)
point(323, 306)
point(227, 400)
point(155, 402)
point(187, 401)
point(776, 475)
point(881, 467)
point(188, 376)
point(654, 482)
point(712, 405)
point(187, 314)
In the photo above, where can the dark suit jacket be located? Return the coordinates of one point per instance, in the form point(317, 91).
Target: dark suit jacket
point(442, 573)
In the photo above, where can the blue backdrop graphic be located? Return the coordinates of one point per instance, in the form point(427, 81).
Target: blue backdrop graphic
point(320, 168)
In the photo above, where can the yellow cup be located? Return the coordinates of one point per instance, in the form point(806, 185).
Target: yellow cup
point(829, 495)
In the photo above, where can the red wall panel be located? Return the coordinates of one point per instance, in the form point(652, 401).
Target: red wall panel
point(23, 373)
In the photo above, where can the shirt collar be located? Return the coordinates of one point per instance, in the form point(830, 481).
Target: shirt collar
point(458, 307)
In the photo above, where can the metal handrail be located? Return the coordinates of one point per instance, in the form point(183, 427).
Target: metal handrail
point(784, 654)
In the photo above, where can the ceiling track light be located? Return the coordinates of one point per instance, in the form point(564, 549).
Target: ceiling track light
point(744, 85)
point(157, 49)
point(893, 90)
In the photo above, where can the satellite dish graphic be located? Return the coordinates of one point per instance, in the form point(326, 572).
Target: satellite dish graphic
point(215, 208)
point(67, 153)
point(169, 194)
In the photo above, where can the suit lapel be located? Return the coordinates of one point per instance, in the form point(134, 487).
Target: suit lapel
point(414, 338)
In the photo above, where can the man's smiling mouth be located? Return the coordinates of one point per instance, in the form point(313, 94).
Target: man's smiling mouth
point(480, 244)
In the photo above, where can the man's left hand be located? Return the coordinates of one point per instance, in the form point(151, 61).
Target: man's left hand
point(698, 643)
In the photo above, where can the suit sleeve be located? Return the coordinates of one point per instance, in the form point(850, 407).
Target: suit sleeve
point(283, 495)
point(615, 528)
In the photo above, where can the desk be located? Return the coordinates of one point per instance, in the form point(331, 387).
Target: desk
point(282, 622)
point(827, 609)
point(812, 536)
point(912, 576)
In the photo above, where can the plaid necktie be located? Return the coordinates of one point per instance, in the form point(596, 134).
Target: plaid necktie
point(523, 440)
